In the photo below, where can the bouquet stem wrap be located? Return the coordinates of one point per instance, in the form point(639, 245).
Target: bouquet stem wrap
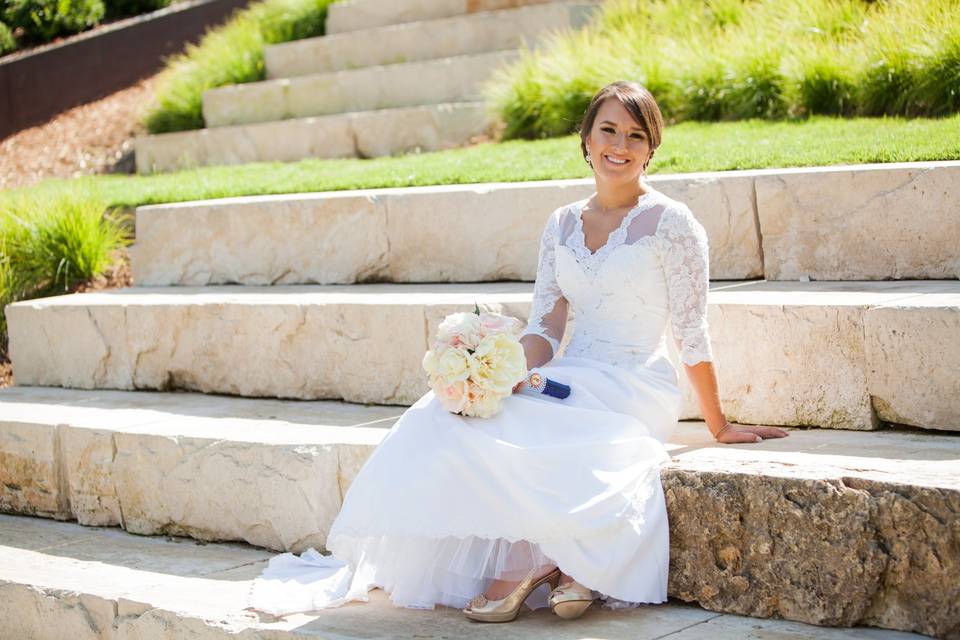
point(547, 387)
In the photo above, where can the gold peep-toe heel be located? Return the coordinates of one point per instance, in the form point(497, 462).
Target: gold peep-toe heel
point(508, 608)
point(570, 600)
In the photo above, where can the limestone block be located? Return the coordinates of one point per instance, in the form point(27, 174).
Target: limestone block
point(786, 358)
point(913, 347)
point(41, 614)
point(87, 458)
point(288, 342)
point(401, 235)
point(263, 241)
point(450, 79)
point(29, 472)
point(283, 141)
point(861, 223)
point(269, 472)
point(428, 128)
point(353, 16)
point(432, 231)
point(364, 134)
point(456, 35)
point(97, 337)
point(723, 204)
point(828, 501)
point(820, 528)
point(280, 497)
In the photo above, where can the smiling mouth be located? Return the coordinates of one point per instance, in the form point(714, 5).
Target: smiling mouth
point(614, 161)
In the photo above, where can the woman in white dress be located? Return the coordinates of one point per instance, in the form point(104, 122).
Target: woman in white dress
point(489, 514)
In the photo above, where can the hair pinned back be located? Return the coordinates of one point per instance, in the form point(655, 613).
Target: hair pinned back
point(637, 100)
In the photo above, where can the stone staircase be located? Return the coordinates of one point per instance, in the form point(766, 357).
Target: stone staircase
point(65, 581)
point(841, 320)
point(387, 78)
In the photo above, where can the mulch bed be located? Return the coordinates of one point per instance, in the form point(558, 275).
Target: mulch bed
point(93, 138)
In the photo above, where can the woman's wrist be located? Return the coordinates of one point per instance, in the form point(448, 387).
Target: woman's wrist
point(717, 432)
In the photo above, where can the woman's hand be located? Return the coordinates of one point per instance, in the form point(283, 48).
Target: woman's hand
point(729, 434)
point(519, 386)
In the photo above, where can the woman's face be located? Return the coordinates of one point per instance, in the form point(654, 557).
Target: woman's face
point(617, 144)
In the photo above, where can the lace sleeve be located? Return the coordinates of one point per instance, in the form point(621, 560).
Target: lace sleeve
point(686, 267)
point(548, 314)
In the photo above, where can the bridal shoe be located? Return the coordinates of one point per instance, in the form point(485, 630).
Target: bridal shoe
point(570, 600)
point(508, 608)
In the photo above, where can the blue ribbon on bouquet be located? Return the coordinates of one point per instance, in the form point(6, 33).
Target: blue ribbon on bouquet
point(546, 386)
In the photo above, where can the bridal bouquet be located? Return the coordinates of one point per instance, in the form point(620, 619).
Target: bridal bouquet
point(475, 362)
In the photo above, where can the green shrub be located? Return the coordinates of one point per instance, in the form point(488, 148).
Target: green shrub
point(51, 242)
point(44, 20)
point(231, 54)
point(7, 43)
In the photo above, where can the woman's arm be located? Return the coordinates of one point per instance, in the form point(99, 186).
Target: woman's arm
point(537, 349)
point(703, 379)
point(548, 312)
point(687, 271)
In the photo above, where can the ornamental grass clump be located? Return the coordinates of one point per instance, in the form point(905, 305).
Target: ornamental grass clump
point(230, 54)
point(715, 60)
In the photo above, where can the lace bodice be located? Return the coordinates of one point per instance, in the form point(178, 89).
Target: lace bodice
point(652, 270)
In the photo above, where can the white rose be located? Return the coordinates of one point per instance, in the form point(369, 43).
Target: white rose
point(454, 364)
point(498, 363)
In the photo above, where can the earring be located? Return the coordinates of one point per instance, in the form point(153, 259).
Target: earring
point(589, 161)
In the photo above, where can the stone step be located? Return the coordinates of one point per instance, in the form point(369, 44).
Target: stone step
point(356, 15)
point(425, 40)
point(780, 224)
point(830, 354)
point(824, 527)
point(455, 79)
point(362, 134)
point(60, 580)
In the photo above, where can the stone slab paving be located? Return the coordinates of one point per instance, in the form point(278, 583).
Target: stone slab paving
point(451, 79)
point(829, 527)
point(362, 134)
point(424, 40)
point(819, 353)
point(416, 234)
point(363, 14)
point(59, 580)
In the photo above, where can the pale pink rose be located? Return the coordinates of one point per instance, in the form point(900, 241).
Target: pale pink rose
point(453, 396)
point(497, 323)
point(463, 327)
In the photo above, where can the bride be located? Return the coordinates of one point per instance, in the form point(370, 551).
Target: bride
point(550, 502)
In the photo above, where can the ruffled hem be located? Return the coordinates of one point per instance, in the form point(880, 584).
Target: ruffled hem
point(416, 573)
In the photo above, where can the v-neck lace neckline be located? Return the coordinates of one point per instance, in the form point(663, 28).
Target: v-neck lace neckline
point(615, 237)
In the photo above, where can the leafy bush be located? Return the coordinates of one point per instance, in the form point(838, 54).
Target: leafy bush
point(7, 43)
point(230, 54)
point(44, 20)
point(51, 242)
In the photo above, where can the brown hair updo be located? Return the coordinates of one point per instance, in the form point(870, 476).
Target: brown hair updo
point(637, 100)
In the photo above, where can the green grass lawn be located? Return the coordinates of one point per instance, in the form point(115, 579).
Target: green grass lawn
point(687, 147)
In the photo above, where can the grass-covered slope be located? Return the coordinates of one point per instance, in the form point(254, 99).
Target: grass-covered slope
point(735, 59)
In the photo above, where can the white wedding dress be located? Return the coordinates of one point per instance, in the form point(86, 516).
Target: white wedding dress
point(447, 503)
